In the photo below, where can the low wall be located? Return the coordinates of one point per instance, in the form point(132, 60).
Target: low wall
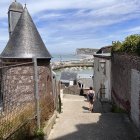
point(74, 90)
point(49, 125)
point(60, 66)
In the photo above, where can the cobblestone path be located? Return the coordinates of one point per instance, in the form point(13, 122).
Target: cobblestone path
point(77, 123)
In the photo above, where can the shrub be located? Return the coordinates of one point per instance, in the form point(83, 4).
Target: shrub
point(131, 44)
point(116, 46)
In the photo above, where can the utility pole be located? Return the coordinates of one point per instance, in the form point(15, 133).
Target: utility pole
point(36, 93)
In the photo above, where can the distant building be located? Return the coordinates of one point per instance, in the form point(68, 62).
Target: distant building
point(68, 78)
point(102, 74)
point(106, 49)
point(85, 81)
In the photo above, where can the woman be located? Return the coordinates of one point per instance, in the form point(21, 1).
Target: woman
point(91, 98)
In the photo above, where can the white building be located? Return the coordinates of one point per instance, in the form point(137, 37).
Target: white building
point(85, 81)
point(102, 75)
point(68, 78)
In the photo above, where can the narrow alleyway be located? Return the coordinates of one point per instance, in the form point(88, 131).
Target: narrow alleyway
point(77, 123)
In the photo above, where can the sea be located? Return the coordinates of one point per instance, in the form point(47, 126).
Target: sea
point(65, 57)
point(85, 71)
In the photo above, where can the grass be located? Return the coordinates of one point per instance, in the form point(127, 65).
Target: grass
point(12, 121)
point(116, 109)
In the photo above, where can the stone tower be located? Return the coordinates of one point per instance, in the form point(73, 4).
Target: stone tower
point(14, 13)
point(25, 44)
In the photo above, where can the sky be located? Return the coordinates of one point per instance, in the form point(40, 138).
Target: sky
point(69, 24)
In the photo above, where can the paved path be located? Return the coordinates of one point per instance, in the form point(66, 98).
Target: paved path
point(77, 123)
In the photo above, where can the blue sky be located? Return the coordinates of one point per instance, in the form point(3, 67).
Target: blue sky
point(69, 24)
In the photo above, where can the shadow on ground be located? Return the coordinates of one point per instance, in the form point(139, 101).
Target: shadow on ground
point(108, 127)
point(102, 107)
point(85, 108)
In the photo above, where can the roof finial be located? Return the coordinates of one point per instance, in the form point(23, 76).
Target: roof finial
point(15, 0)
point(25, 3)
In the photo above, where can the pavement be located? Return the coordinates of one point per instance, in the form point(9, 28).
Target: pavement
point(77, 123)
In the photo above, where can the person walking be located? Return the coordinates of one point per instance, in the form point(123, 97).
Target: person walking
point(91, 98)
point(81, 92)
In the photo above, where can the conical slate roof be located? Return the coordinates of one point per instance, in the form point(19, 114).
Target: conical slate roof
point(25, 41)
point(16, 6)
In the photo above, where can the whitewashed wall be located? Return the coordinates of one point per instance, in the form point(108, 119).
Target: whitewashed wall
point(100, 77)
point(135, 97)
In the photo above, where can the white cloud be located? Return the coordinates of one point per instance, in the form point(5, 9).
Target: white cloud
point(42, 5)
point(67, 4)
point(94, 22)
point(73, 44)
point(3, 34)
point(108, 13)
point(117, 9)
point(134, 30)
point(3, 38)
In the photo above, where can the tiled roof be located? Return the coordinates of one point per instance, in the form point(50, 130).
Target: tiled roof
point(68, 76)
point(25, 41)
point(106, 49)
point(16, 6)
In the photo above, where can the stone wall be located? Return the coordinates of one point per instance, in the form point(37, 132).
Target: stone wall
point(18, 103)
point(121, 77)
point(18, 84)
point(135, 97)
point(74, 90)
point(45, 80)
point(123, 81)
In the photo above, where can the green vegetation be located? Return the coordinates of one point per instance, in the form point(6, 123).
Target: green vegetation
point(130, 45)
point(39, 134)
point(116, 109)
